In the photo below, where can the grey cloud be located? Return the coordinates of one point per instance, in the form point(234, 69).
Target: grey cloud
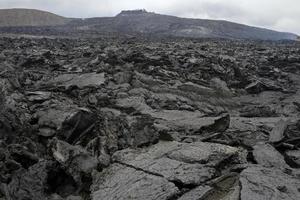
point(222, 10)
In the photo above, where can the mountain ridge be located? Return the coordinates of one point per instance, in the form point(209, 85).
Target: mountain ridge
point(29, 17)
point(142, 22)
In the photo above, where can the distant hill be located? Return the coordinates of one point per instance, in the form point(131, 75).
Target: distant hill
point(141, 21)
point(135, 22)
point(29, 17)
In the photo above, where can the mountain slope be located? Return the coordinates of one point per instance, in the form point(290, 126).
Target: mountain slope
point(132, 22)
point(29, 17)
point(151, 23)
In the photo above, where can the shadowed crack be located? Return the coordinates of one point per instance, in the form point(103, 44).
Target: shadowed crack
point(139, 169)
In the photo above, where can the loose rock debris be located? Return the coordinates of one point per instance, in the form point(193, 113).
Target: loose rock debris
point(117, 118)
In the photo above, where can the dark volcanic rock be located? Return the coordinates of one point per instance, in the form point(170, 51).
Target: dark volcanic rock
point(255, 87)
point(294, 155)
point(220, 125)
point(148, 118)
point(75, 160)
point(29, 184)
point(67, 121)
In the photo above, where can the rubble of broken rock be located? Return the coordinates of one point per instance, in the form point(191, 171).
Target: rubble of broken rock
point(129, 118)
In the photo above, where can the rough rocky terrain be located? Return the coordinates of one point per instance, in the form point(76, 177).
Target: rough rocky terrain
point(128, 118)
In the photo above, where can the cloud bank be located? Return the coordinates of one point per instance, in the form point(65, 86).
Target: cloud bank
point(281, 15)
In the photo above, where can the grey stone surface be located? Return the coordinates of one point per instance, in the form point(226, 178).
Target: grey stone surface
point(38, 96)
point(199, 193)
point(267, 156)
point(79, 80)
point(119, 182)
point(268, 183)
point(198, 89)
point(277, 133)
point(191, 164)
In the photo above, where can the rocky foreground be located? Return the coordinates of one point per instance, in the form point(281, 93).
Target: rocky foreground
point(112, 119)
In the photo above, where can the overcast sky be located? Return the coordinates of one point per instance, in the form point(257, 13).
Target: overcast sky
point(281, 15)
